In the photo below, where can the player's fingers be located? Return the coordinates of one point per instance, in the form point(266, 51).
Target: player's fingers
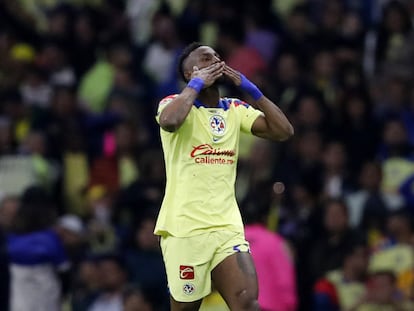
point(217, 75)
point(232, 74)
point(215, 66)
point(217, 71)
point(229, 72)
point(208, 70)
point(229, 69)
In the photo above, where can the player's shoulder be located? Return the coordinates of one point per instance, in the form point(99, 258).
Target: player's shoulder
point(230, 102)
point(166, 100)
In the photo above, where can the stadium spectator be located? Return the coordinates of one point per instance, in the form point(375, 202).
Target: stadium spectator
point(328, 251)
point(85, 284)
point(161, 58)
point(289, 84)
point(236, 53)
point(369, 206)
point(342, 288)
point(113, 279)
point(144, 260)
point(37, 255)
point(396, 156)
point(135, 299)
point(358, 130)
point(71, 230)
point(396, 254)
point(8, 210)
point(382, 294)
point(74, 75)
point(336, 182)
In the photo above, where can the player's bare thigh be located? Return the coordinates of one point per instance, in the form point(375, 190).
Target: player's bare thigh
point(235, 279)
point(185, 306)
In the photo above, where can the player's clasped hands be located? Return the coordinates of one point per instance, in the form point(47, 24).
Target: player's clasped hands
point(209, 74)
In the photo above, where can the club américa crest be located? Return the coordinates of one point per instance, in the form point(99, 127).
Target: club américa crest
point(188, 288)
point(217, 125)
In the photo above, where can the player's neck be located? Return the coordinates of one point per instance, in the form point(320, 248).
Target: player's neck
point(209, 97)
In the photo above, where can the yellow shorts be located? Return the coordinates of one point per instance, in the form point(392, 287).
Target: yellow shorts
point(189, 261)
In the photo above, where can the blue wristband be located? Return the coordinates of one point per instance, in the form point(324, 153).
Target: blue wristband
point(196, 84)
point(250, 88)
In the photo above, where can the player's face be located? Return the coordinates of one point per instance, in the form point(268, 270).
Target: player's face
point(205, 56)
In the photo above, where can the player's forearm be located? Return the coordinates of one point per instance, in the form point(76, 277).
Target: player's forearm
point(278, 126)
point(173, 116)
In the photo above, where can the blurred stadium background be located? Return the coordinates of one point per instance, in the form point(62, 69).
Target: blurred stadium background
point(81, 169)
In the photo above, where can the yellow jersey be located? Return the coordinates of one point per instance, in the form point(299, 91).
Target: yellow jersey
point(200, 161)
point(349, 292)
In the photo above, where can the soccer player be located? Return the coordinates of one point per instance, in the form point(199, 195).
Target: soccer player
point(202, 236)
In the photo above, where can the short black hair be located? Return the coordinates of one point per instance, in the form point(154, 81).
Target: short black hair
point(352, 246)
point(36, 211)
point(186, 51)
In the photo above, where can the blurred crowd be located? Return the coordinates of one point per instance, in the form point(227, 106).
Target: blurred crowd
point(82, 171)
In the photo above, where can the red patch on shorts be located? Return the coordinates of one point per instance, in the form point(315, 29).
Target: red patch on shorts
point(186, 272)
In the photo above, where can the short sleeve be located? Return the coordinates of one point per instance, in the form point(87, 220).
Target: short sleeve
point(247, 115)
point(164, 103)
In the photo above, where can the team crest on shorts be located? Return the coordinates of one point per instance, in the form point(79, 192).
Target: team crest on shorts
point(188, 288)
point(217, 125)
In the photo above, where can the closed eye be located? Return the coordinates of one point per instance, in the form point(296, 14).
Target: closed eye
point(206, 58)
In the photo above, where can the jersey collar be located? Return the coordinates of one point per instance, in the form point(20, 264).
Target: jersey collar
point(222, 104)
